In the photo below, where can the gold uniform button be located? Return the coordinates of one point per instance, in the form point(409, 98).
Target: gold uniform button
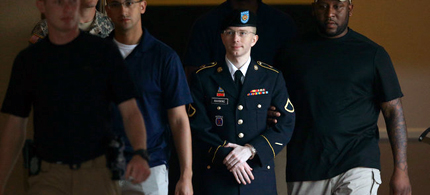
point(255, 67)
point(208, 167)
point(241, 135)
point(268, 167)
point(218, 108)
point(240, 121)
point(259, 106)
point(240, 107)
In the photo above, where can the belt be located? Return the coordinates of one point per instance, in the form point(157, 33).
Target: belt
point(96, 162)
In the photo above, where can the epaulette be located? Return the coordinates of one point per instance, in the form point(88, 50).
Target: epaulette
point(202, 67)
point(267, 66)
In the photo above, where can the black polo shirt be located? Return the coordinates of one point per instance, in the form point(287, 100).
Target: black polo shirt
point(70, 88)
point(336, 86)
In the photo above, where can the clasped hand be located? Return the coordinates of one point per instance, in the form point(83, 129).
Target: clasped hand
point(236, 163)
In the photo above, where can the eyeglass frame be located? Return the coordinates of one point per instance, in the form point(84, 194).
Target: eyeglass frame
point(234, 32)
point(123, 4)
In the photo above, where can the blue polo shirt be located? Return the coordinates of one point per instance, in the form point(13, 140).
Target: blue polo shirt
point(159, 77)
point(274, 28)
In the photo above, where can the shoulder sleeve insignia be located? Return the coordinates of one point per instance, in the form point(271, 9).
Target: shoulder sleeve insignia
point(206, 67)
point(191, 110)
point(35, 38)
point(289, 106)
point(267, 66)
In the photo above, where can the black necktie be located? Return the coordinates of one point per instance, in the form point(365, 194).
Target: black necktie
point(238, 79)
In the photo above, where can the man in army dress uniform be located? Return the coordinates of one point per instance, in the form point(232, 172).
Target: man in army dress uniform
point(91, 21)
point(234, 149)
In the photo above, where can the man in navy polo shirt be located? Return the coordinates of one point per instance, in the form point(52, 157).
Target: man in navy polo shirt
point(157, 71)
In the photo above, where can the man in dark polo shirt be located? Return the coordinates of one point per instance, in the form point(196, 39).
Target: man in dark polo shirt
point(69, 79)
point(339, 82)
point(157, 71)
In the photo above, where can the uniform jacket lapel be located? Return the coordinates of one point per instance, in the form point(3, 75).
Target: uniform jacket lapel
point(252, 77)
point(224, 80)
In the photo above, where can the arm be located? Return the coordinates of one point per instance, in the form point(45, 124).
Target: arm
point(180, 126)
point(397, 133)
point(39, 32)
point(272, 140)
point(137, 168)
point(11, 141)
point(201, 125)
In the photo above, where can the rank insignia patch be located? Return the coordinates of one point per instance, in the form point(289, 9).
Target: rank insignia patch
point(191, 110)
point(244, 16)
point(219, 121)
point(257, 92)
point(289, 106)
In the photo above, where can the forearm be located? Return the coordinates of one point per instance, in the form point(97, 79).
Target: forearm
point(11, 141)
point(133, 124)
point(180, 127)
point(397, 133)
point(136, 132)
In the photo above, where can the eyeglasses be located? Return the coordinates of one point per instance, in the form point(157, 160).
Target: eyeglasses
point(241, 33)
point(118, 5)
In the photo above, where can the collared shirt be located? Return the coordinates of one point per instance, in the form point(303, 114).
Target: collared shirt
point(233, 68)
point(160, 79)
point(124, 49)
point(101, 26)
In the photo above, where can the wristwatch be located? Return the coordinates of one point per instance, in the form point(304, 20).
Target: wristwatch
point(253, 150)
point(142, 153)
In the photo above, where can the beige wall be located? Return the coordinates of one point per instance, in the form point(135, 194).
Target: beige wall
point(398, 25)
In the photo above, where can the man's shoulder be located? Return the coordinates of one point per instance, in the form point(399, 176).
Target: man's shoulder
point(95, 43)
point(39, 31)
point(92, 38)
point(355, 36)
point(102, 25)
point(208, 69)
point(156, 47)
point(265, 67)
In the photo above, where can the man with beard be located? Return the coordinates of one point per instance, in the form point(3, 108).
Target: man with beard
point(91, 21)
point(339, 81)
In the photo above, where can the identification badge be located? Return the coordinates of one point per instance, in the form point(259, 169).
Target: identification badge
point(219, 101)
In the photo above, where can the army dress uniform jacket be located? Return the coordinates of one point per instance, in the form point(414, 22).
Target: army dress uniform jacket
point(222, 114)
